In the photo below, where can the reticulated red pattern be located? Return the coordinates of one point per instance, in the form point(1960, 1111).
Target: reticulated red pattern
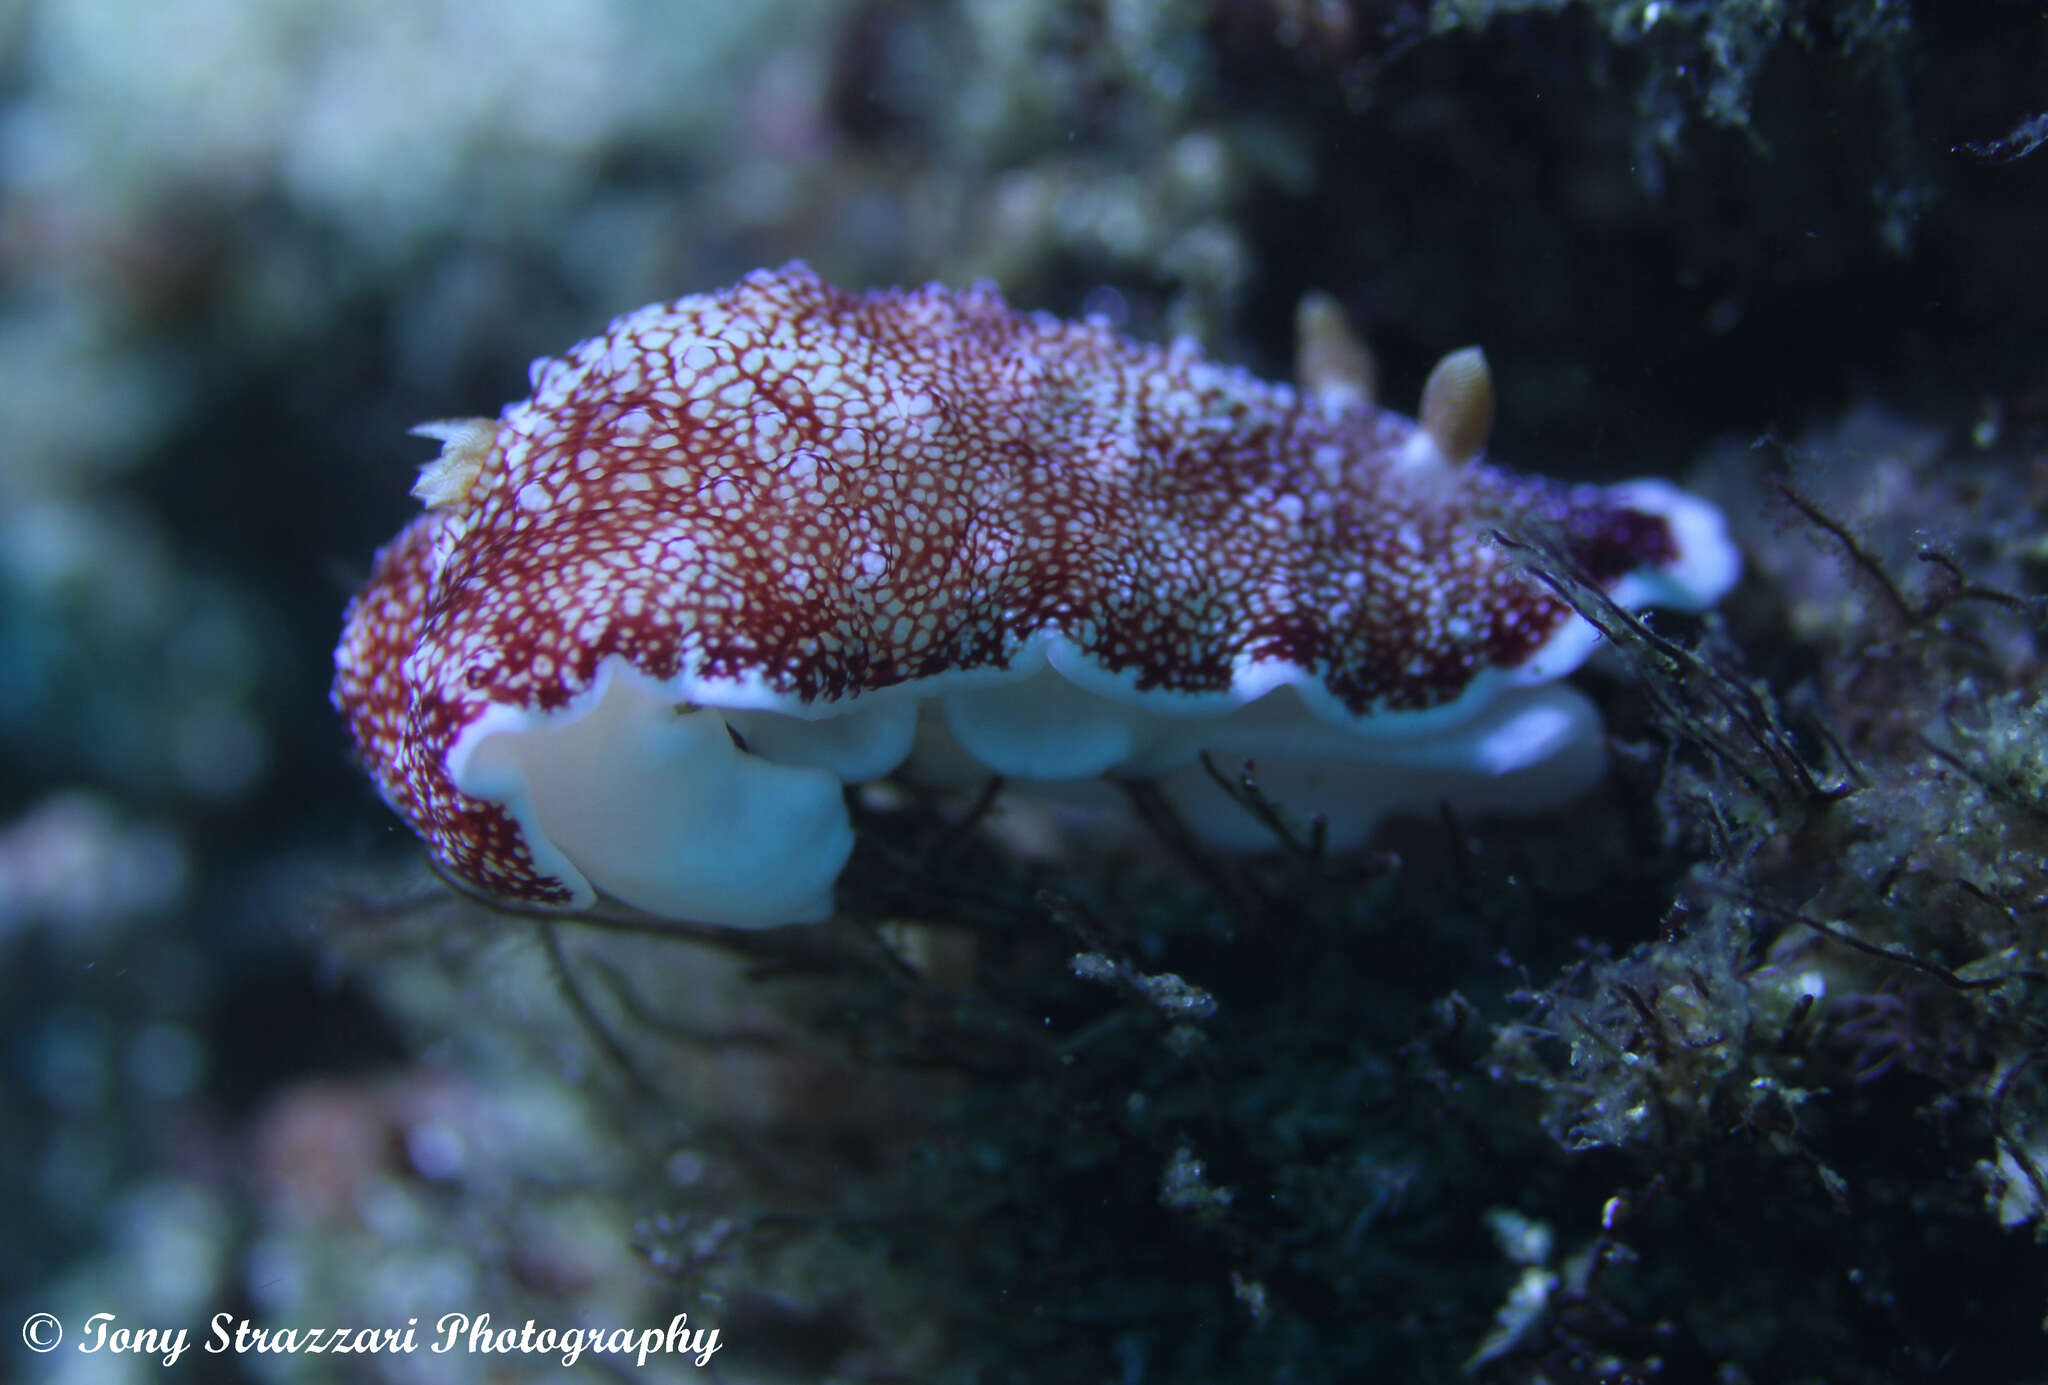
point(832, 493)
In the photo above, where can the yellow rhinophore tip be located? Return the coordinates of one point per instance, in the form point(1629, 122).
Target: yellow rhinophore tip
point(1331, 363)
point(1457, 404)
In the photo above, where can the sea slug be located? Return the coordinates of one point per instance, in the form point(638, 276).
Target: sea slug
point(748, 547)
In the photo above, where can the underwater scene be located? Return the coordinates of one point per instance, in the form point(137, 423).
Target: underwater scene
point(1133, 692)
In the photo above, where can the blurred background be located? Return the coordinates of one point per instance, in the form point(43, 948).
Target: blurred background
point(246, 244)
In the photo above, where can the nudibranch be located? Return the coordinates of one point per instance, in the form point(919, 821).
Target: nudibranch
point(750, 547)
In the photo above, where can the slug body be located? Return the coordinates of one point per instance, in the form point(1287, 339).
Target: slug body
point(748, 547)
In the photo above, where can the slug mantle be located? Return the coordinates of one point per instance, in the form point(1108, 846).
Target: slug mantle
point(750, 546)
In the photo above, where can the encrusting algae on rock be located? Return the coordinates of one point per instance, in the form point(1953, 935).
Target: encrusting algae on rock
point(748, 547)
